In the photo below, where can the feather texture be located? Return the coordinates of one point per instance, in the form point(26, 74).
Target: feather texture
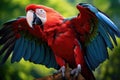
point(47, 55)
point(7, 54)
point(96, 50)
point(41, 54)
point(20, 50)
point(16, 49)
point(28, 54)
point(6, 45)
point(106, 37)
point(5, 37)
point(108, 23)
point(94, 27)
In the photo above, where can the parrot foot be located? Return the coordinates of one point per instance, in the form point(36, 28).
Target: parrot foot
point(61, 70)
point(75, 72)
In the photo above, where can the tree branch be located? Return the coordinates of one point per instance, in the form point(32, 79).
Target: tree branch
point(59, 76)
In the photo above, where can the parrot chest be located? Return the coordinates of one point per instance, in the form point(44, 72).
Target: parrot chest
point(62, 43)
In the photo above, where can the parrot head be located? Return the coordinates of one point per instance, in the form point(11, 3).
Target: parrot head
point(35, 15)
point(41, 15)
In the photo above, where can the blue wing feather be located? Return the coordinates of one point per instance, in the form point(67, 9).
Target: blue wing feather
point(105, 36)
point(24, 46)
point(97, 49)
point(100, 44)
point(103, 46)
point(36, 53)
point(104, 19)
point(42, 50)
point(96, 52)
point(111, 33)
point(29, 50)
point(27, 54)
point(33, 47)
point(88, 57)
point(15, 50)
point(91, 56)
point(40, 54)
point(21, 52)
point(52, 60)
point(47, 55)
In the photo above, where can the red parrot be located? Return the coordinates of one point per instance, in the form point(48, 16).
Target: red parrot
point(45, 37)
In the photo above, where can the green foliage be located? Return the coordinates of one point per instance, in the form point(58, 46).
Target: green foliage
point(24, 70)
point(109, 70)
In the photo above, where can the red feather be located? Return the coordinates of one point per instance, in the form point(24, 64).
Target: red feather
point(62, 38)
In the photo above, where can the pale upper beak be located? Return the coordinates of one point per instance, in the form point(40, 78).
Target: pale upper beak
point(36, 18)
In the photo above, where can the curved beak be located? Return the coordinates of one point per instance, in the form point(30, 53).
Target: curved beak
point(32, 19)
point(29, 17)
point(36, 20)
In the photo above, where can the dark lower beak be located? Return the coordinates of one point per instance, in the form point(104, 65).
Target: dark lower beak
point(36, 20)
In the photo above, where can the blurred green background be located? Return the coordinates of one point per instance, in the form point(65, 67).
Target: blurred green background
point(24, 70)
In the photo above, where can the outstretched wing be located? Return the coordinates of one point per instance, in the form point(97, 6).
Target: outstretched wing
point(19, 40)
point(96, 33)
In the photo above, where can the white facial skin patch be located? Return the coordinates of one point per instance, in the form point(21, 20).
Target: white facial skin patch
point(41, 14)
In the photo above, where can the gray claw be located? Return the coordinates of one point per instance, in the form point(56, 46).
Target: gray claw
point(76, 71)
point(62, 69)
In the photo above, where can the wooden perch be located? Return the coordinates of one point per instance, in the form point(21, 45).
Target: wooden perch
point(59, 76)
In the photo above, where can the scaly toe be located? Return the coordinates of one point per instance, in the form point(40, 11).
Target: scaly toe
point(61, 70)
point(75, 72)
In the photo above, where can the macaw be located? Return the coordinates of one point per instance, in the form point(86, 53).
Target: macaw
point(45, 37)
